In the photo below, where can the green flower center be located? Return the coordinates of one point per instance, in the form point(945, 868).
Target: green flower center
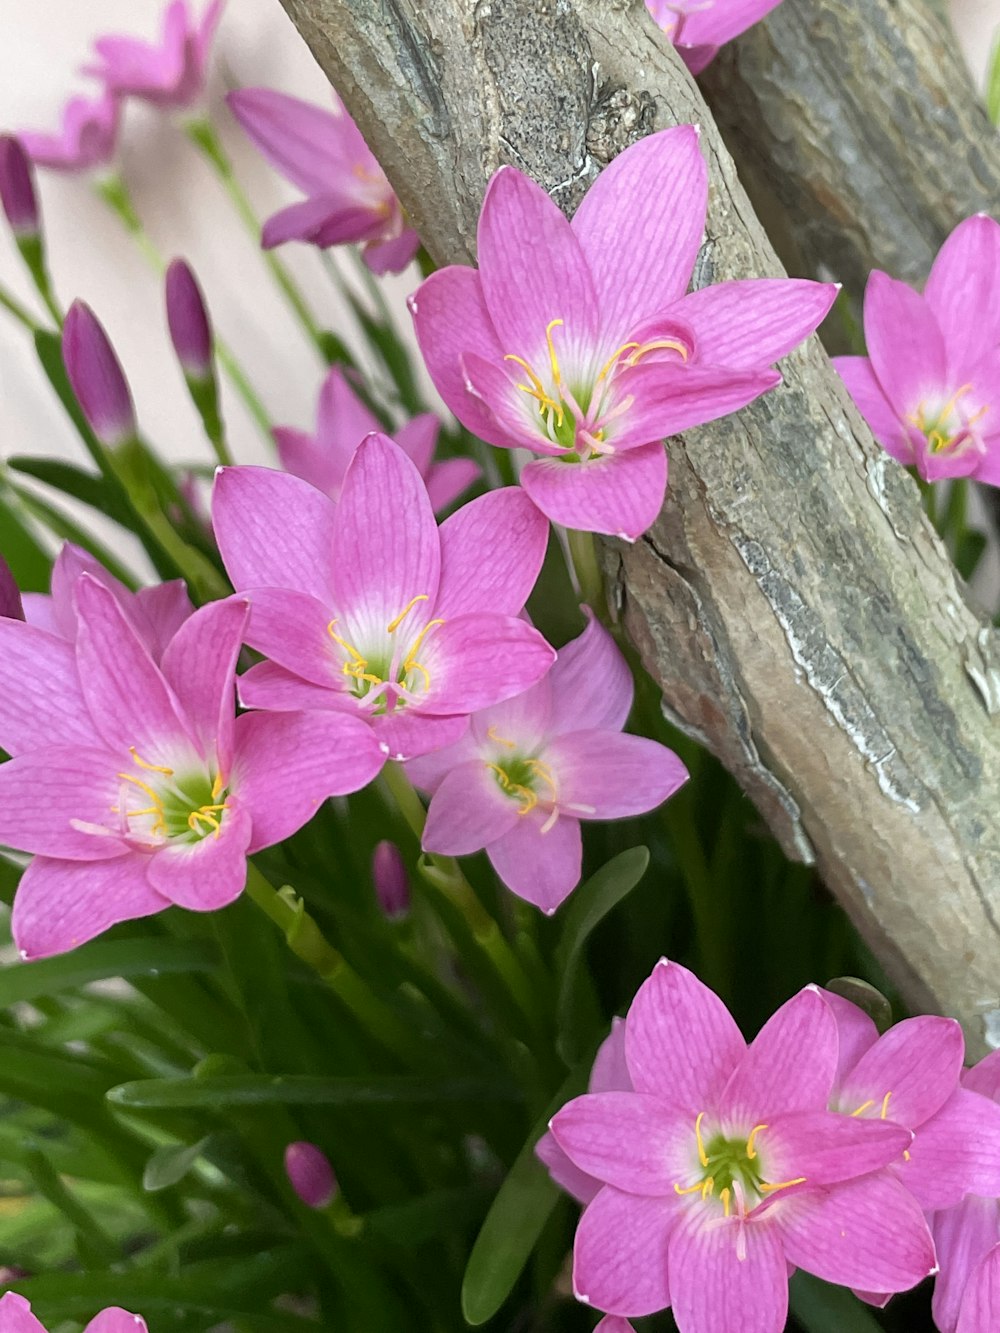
point(730, 1171)
point(167, 806)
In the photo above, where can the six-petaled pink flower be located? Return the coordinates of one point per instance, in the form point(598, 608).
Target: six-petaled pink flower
point(16, 1317)
point(723, 1169)
point(135, 785)
point(87, 138)
point(530, 769)
point(343, 421)
point(168, 73)
point(699, 27)
point(576, 341)
point(930, 385)
point(322, 152)
point(364, 606)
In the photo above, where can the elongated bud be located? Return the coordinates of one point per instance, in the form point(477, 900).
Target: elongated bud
point(17, 188)
point(97, 377)
point(310, 1174)
point(190, 330)
point(10, 595)
point(392, 883)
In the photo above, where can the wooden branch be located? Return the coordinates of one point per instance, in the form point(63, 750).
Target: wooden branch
point(793, 603)
point(860, 120)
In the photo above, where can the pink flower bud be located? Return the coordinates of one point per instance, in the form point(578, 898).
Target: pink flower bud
point(310, 1174)
point(10, 598)
point(392, 883)
point(17, 188)
point(97, 377)
point(190, 330)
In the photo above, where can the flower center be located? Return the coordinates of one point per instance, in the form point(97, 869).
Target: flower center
point(577, 417)
point(730, 1171)
point(157, 805)
point(389, 675)
point(529, 781)
point(948, 426)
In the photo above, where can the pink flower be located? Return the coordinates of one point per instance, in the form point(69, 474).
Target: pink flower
point(322, 152)
point(526, 773)
point(365, 607)
point(16, 1317)
point(576, 340)
point(169, 74)
point(10, 594)
point(17, 189)
point(97, 378)
point(156, 614)
point(392, 883)
point(930, 385)
point(310, 1174)
point(134, 785)
point(188, 321)
point(981, 1304)
point(699, 27)
point(965, 1234)
point(612, 1324)
point(88, 137)
point(724, 1169)
point(342, 423)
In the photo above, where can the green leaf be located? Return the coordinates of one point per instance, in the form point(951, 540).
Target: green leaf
point(821, 1308)
point(98, 961)
point(216, 1091)
point(171, 1163)
point(88, 487)
point(993, 84)
point(21, 549)
point(971, 546)
point(587, 909)
point(515, 1221)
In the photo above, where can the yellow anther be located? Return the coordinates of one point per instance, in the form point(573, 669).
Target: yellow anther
point(751, 1150)
point(411, 663)
point(522, 793)
point(781, 1185)
point(885, 1106)
point(491, 732)
point(544, 772)
point(416, 666)
point(658, 345)
point(393, 625)
point(153, 795)
point(863, 1108)
point(625, 347)
point(692, 1189)
point(553, 359)
point(708, 1187)
point(218, 786)
point(906, 1155)
point(348, 648)
point(151, 768)
point(702, 1157)
point(724, 1195)
point(536, 389)
point(208, 814)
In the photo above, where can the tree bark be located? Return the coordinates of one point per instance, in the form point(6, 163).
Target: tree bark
point(792, 602)
point(860, 121)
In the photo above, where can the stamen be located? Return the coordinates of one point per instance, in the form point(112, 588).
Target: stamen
point(515, 789)
point(152, 768)
point(536, 389)
point(552, 820)
point(697, 1133)
point(544, 772)
point(553, 359)
point(724, 1195)
point(491, 732)
point(906, 1155)
point(395, 624)
point(411, 663)
point(863, 1108)
point(656, 345)
point(781, 1185)
point(751, 1150)
point(885, 1105)
point(699, 1188)
point(625, 347)
point(218, 786)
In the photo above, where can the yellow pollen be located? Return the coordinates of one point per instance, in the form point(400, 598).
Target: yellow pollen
point(208, 814)
point(724, 1195)
point(491, 732)
point(544, 772)
point(217, 786)
point(393, 625)
point(751, 1150)
point(411, 663)
point(656, 345)
point(154, 796)
point(625, 347)
point(535, 388)
point(906, 1155)
point(782, 1185)
point(524, 794)
point(697, 1133)
point(885, 1106)
point(356, 668)
point(693, 1189)
point(863, 1108)
point(150, 768)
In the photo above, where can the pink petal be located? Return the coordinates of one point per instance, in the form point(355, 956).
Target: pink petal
point(200, 665)
point(206, 874)
point(43, 793)
point(856, 1032)
point(904, 342)
point(450, 319)
point(726, 1277)
point(961, 289)
point(159, 612)
point(467, 811)
point(386, 550)
point(620, 1253)
point(474, 661)
point(429, 770)
point(790, 1064)
point(62, 904)
point(697, 58)
point(826, 1148)
point(273, 530)
point(613, 1324)
point(532, 269)
point(16, 1316)
point(288, 764)
point(641, 252)
point(511, 418)
point(69, 564)
point(721, 23)
point(292, 629)
point(590, 681)
point(963, 1236)
point(309, 145)
point(606, 775)
point(491, 554)
point(447, 480)
point(867, 1233)
point(670, 398)
point(41, 701)
point(116, 1320)
point(630, 1140)
point(268, 685)
point(418, 440)
point(539, 861)
point(404, 734)
point(393, 255)
point(521, 723)
point(304, 220)
point(302, 455)
point(955, 1152)
point(576, 1183)
point(131, 704)
point(985, 1076)
point(681, 1042)
point(610, 1071)
point(619, 495)
point(917, 1062)
point(981, 1305)
point(752, 324)
point(874, 406)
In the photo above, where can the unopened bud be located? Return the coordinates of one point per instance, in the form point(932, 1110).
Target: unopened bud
point(97, 377)
point(190, 330)
point(17, 188)
point(310, 1174)
point(392, 883)
point(10, 594)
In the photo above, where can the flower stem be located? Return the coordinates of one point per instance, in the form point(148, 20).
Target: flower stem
point(587, 571)
point(13, 306)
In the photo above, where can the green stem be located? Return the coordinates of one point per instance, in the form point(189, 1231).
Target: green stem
point(32, 250)
point(587, 571)
point(202, 134)
point(703, 898)
point(13, 306)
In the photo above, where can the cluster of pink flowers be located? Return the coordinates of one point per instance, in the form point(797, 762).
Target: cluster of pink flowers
point(711, 1169)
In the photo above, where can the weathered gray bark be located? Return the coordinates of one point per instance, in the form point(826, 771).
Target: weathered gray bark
point(860, 121)
point(792, 601)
